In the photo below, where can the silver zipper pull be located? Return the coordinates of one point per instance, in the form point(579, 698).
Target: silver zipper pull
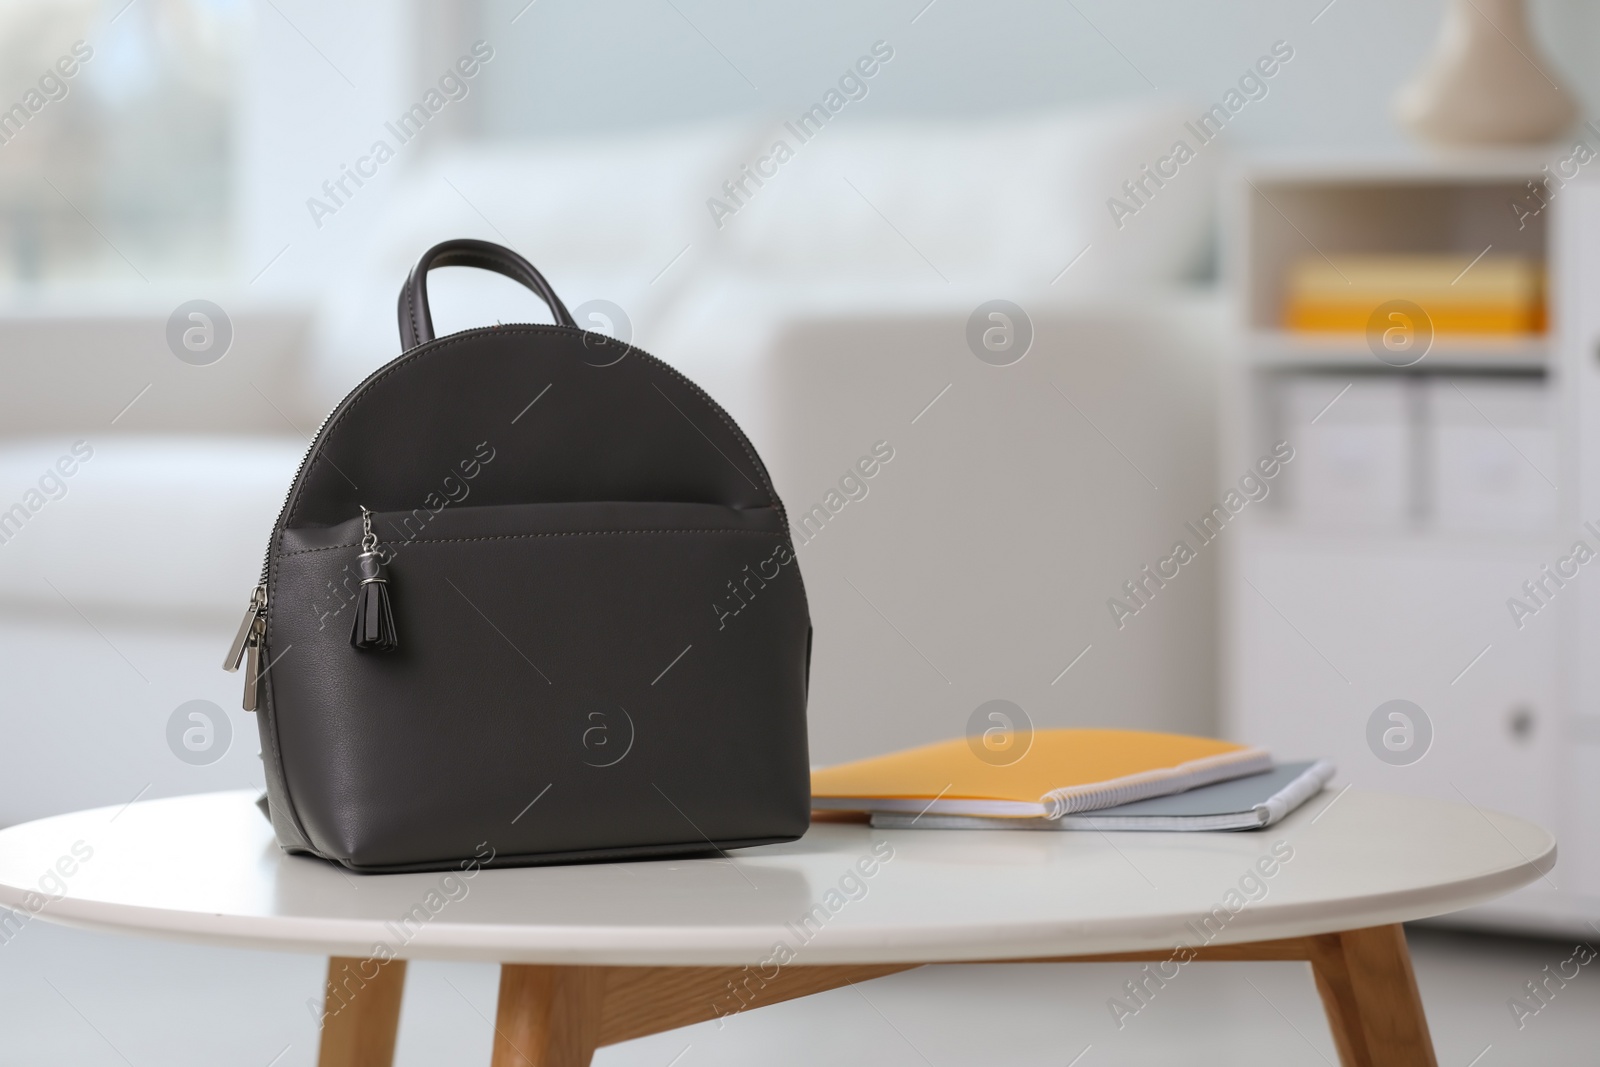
point(252, 663)
point(257, 608)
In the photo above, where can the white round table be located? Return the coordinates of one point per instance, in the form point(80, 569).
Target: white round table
point(600, 953)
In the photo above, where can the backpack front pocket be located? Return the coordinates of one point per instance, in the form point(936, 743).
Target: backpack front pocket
point(568, 680)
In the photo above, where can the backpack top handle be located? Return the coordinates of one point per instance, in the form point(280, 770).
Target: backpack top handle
point(416, 322)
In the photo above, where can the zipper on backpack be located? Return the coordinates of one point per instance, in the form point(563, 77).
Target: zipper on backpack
point(247, 647)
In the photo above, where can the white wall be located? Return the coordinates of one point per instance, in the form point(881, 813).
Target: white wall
point(606, 63)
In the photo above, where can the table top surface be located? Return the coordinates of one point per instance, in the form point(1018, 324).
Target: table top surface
point(206, 868)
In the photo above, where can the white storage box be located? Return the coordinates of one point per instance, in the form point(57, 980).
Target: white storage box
point(1493, 452)
point(1353, 460)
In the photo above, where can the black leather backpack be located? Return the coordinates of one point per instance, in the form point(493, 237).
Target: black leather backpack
point(531, 596)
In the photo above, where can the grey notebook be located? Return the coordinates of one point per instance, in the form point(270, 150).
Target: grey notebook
point(1247, 803)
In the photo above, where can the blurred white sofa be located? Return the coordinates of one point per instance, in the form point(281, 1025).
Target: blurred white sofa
point(884, 217)
point(120, 582)
point(824, 314)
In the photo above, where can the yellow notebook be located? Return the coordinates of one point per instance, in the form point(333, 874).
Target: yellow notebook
point(1062, 771)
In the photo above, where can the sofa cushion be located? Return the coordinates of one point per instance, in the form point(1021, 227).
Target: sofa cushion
point(163, 524)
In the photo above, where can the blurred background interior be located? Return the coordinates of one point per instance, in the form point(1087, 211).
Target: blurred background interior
point(1179, 327)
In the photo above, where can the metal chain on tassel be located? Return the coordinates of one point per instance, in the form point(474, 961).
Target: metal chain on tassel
point(373, 629)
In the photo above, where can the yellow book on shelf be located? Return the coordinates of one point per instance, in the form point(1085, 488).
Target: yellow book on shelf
point(1492, 294)
point(1060, 772)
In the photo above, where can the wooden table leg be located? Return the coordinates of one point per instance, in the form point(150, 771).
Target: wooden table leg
point(1370, 994)
point(557, 1016)
point(548, 1016)
point(361, 1012)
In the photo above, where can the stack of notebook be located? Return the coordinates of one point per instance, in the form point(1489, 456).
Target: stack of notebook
point(1492, 294)
point(1074, 780)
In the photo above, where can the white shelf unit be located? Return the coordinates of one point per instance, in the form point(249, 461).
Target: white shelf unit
point(1419, 501)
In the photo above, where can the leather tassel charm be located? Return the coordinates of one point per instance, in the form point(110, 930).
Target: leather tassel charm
point(373, 629)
